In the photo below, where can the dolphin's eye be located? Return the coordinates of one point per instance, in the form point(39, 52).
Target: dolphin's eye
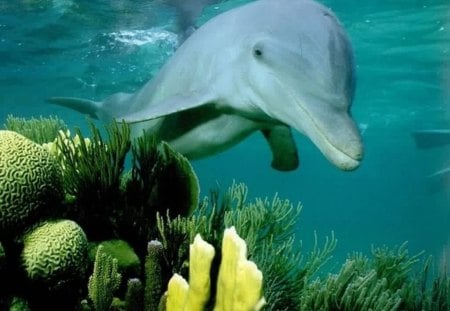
point(258, 50)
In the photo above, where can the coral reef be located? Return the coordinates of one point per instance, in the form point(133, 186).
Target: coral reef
point(239, 281)
point(128, 262)
point(54, 250)
point(195, 295)
point(121, 205)
point(40, 130)
point(104, 281)
point(30, 183)
point(111, 203)
point(153, 276)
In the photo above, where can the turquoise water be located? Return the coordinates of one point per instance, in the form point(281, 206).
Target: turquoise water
point(91, 49)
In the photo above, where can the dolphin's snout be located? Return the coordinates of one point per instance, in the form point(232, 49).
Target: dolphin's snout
point(354, 149)
point(351, 157)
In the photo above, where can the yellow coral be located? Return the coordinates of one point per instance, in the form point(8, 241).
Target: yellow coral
point(195, 295)
point(65, 138)
point(239, 284)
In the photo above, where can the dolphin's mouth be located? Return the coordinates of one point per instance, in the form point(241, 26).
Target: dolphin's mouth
point(336, 155)
point(346, 157)
point(345, 151)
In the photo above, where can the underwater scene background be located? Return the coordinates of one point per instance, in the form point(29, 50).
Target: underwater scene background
point(91, 49)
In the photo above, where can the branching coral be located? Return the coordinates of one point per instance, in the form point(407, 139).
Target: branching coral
point(239, 281)
point(94, 171)
point(153, 276)
point(127, 260)
point(104, 281)
point(268, 227)
point(42, 130)
point(92, 176)
point(155, 200)
point(161, 180)
point(193, 296)
point(380, 283)
point(157, 173)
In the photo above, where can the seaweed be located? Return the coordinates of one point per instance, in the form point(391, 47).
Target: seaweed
point(157, 200)
point(40, 130)
point(419, 295)
point(160, 181)
point(92, 172)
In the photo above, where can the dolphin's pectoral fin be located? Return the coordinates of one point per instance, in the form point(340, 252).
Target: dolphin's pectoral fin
point(84, 106)
point(169, 106)
point(282, 145)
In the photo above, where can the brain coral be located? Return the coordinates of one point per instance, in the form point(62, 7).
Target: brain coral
point(54, 250)
point(30, 182)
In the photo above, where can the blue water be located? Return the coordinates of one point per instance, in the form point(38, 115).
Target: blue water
point(91, 49)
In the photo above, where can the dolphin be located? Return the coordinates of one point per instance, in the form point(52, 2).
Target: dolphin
point(268, 66)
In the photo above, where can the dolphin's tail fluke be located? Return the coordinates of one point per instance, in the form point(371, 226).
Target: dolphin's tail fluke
point(85, 106)
point(431, 138)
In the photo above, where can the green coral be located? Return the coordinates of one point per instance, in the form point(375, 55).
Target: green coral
point(92, 177)
point(134, 296)
point(40, 130)
point(93, 172)
point(158, 173)
point(30, 182)
point(127, 260)
point(111, 203)
point(153, 276)
point(104, 281)
point(140, 205)
point(292, 278)
point(267, 226)
point(54, 250)
point(18, 304)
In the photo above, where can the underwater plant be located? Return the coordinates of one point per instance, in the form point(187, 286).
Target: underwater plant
point(267, 226)
point(118, 210)
point(92, 173)
point(112, 203)
point(40, 130)
point(30, 183)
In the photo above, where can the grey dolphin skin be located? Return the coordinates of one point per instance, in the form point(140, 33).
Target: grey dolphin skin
point(187, 13)
point(268, 66)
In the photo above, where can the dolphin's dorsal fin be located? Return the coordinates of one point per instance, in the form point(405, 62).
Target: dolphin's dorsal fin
point(170, 105)
point(282, 145)
point(187, 13)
